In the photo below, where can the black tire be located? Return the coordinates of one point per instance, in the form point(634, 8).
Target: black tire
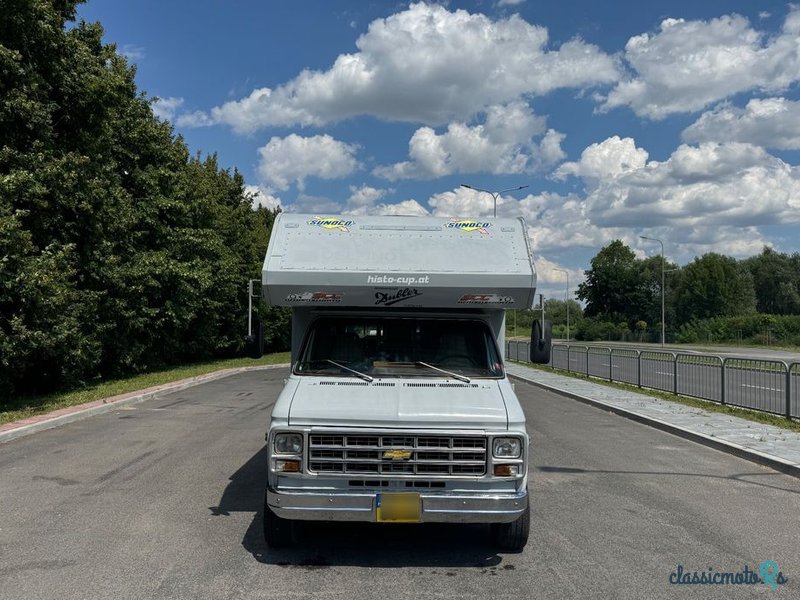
point(278, 532)
point(512, 537)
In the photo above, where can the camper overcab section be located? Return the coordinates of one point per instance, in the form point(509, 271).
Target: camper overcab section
point(398, 408)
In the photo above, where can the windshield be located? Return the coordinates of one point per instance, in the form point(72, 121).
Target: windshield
point(399, 347)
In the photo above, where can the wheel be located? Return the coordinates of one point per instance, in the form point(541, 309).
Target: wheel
point(278, 532)
point(513, 536)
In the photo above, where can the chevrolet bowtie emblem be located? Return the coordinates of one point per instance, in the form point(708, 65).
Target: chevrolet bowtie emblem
point(397, 454)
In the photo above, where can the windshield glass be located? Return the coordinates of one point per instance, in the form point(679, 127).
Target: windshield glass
point(398, 347)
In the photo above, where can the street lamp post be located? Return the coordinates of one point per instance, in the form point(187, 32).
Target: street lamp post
point(663, 324)
point(566, 296)
point(494, 195)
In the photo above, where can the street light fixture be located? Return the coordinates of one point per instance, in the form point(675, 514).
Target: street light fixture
point(663, 328)
point(566, 296)
point(494, 195)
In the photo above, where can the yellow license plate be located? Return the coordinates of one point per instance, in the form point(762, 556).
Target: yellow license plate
point(402, 507)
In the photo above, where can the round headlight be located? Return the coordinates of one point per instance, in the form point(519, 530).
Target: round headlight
point(507, 448)
point(288, 443)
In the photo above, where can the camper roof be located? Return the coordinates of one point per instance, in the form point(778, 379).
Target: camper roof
point(425, 262)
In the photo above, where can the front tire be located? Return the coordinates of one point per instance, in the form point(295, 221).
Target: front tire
point(278, 532)
point(512, 537)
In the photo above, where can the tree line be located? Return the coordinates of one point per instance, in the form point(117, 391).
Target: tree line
point(714, 297)
point(120, 251)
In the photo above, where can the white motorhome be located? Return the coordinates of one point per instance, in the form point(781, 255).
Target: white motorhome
point(398, 408)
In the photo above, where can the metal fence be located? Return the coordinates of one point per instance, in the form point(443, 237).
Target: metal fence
point(771, 386)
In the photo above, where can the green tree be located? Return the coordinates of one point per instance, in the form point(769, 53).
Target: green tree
point(120, 252)
point(714, 285)
point(776, 279)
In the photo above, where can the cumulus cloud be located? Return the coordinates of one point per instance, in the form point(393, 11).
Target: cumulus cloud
point(262, 197)
point(165, 108)
point(688, 65)
point(731, 184)
point(608, 159)
point(425, 64)
point(291, 159)
point(503, 143)
point(770, 123)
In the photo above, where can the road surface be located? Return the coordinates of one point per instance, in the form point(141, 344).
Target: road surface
point(163, 500)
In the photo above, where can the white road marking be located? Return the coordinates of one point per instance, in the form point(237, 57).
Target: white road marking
point(761, 387)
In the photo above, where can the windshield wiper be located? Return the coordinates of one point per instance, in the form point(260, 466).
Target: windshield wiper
point(463, 378)
point(363, 376)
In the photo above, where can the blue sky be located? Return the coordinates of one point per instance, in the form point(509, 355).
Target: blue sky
point(675, 120)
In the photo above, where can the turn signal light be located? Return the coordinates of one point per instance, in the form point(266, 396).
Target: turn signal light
point(287, 466)
point(506, 470)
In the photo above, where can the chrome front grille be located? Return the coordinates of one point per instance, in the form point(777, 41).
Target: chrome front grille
point(360, 454)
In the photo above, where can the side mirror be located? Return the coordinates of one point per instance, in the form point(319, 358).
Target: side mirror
point(541, 340)
point(254, 344)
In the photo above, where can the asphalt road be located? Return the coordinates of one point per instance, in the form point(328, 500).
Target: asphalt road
point(163, 500)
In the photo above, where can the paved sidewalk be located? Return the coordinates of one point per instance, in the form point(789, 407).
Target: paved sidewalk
point(766, 444)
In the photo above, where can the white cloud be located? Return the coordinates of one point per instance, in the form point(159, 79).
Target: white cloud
point(262, 197)
point(710, 185)
point(689, 65)
point(425, 64)
point(132, 52)
point(165, 108)
point(194, 119)
point(502, 144)
point(771, 123)
point(409, 207)
point(293, 158)
point(364, 196)
point(609, 158)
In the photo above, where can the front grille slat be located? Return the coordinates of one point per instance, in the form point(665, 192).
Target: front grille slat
point(358, 453)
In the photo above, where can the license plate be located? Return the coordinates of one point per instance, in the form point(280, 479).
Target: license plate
point(398, 508)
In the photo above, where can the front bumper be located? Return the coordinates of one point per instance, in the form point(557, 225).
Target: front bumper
point(361, 506)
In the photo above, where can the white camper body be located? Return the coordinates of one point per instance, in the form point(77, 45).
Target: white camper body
point(398, 408)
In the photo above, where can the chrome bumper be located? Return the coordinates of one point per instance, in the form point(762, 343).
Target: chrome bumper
point(360, 506)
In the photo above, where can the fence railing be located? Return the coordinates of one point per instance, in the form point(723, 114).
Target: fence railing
point(771, 386)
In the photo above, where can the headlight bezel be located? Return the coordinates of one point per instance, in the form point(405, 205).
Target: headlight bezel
point(508, 441)
point(288, 442)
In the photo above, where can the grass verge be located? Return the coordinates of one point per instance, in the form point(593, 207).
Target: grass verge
point(28, 406)
point(743, 413)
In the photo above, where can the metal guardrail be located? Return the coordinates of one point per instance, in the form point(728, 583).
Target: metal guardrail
point(771, 386)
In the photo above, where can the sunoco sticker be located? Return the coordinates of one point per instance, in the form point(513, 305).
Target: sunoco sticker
point(468, 225)
point(332, 223)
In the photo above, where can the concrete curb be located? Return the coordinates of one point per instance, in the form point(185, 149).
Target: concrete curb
point(750, 454)
point(23, 427)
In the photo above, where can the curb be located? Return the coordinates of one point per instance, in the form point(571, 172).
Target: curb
point(70, 414)
point(755, 456)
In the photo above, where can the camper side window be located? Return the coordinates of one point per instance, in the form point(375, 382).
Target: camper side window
point(399, 347)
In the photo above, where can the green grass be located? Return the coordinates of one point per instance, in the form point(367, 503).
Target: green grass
point(743, 413)
point(28, 406)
